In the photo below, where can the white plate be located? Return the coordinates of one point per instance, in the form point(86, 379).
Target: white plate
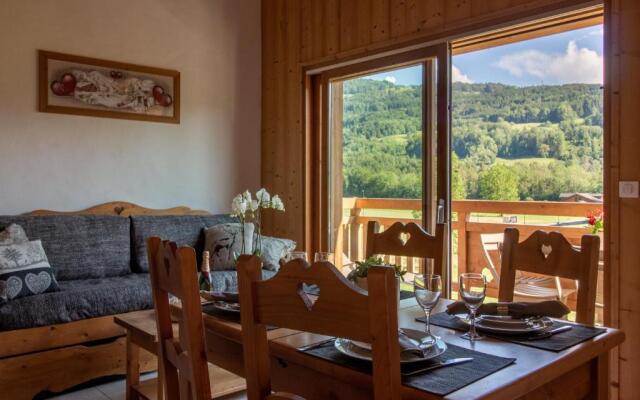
point(229, 307)
point(509, 326)
point(349, 348)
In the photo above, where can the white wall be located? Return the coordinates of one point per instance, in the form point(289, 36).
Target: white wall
point(67, 162)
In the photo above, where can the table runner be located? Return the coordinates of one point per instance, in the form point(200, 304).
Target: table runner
point(209, 309)
point(441, 381)
point(558, 342)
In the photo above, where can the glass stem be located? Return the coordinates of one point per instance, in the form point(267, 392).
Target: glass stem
point(472, 332)
point(427, 321)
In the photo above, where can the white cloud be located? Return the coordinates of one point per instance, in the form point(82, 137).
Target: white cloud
point(576, 65)
point(391, 79)
point(458, 76)
point(597, 32)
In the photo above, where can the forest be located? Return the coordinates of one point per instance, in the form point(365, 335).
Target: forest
point(509, 142)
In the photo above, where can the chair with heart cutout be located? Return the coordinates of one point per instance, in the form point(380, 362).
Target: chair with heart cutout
point(552, 255)
point(339, 309)
point(408, 240)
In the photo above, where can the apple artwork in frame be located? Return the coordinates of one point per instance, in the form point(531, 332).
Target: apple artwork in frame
point(70, 84)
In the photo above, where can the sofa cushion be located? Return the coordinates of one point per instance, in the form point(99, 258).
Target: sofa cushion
point(78, 299)
point(24, 271)
point(227, 281)
point(80, 246)
point(12, 234)
point(182, 229)
point(274, 249)
point(225, 241)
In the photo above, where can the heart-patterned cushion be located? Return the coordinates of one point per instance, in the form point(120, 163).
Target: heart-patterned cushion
point(38, 283)
point(24, 270)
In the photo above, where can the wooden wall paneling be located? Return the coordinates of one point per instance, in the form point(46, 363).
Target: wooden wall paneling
point(611, 177)
point(349, 24)
point(433, 15)
point(306, 31)
point(317, 21)
point(481, 6)
point(332, 26)
point(380, 21)
point(456, 10)
point(626, 37)
point(364, 22)
point(398, 16)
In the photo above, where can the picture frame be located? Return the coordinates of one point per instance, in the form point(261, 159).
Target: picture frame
point(77, 85)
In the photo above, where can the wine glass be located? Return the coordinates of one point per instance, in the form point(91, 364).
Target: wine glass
point(427, 289)
point(323, 256)
point(302, 255)
point(472, 289)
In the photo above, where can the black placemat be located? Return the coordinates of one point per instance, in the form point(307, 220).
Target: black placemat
point(558, 342)
point(230, 316)
point(406, 294)
point(441, 381)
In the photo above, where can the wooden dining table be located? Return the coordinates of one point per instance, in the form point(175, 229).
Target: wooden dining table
point(576, 373)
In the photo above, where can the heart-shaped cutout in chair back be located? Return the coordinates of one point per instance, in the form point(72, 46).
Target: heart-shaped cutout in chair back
point(404, 238)
point(309, 294)
point(546, 249)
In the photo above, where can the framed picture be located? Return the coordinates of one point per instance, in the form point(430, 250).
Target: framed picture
point(69, 84)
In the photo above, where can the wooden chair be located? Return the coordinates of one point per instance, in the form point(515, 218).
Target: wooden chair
point(527, 287)
point(552, 254)
point(340, 310)
point(182, 360)
point(408, 240)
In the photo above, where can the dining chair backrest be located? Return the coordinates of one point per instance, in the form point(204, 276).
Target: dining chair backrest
point(339, 309)
point(552, 254)
point(184, 361)
point(407, 240)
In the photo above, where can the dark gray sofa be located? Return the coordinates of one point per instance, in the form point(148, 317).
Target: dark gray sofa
point(100, 263)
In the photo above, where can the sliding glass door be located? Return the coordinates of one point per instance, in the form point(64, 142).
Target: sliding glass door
point(382, 149)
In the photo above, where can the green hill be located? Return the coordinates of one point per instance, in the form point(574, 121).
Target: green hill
point(554, 131)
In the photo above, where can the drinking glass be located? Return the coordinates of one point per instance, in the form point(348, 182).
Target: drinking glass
point(427, 289)
point(323, 256)
point(296, 255)
point(472, 291)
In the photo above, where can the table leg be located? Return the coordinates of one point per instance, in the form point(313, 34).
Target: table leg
point(603, 376)
point(133, 368)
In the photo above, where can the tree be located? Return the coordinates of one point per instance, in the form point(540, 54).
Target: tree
point(498, 183)
point(458, 190)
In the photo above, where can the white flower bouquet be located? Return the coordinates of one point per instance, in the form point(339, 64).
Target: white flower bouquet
point(248, 209)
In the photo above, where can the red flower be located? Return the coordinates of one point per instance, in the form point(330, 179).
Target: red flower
point(592, 219)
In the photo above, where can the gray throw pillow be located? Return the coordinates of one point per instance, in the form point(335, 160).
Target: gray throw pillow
point(224, 242)
point(273, 249)
point(24, 271)
point(13, 234)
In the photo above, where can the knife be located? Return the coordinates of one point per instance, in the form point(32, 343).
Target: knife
point(446, 363)
point(550, 333)
point(314, 345)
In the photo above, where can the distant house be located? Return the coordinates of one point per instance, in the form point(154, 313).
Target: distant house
point(581, 197)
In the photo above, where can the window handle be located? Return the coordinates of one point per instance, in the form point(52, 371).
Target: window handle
point(440, 213)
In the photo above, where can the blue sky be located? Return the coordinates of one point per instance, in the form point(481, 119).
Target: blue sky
point(569, 57)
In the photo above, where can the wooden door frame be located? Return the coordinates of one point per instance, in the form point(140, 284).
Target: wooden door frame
point(317, 121)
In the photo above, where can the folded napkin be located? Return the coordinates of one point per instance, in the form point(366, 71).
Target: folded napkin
point(553, 309)
point(408, 345)
point(228, 297)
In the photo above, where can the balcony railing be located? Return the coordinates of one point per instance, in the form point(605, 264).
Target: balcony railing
point(471, 219)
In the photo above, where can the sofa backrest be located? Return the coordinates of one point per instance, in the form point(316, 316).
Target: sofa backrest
point(80, 246)
point(182, 229)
